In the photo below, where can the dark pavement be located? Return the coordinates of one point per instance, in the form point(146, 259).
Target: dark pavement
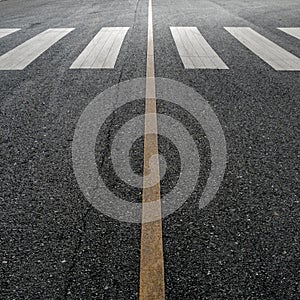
point(244, 245)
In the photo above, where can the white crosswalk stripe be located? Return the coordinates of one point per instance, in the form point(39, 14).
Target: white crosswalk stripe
point(21, 56)
point(6, 31)
point(102, 52)
point(194, 50)
point(271, 53)
point(293, 31)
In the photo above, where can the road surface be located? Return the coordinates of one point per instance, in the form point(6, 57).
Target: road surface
point(243, 60)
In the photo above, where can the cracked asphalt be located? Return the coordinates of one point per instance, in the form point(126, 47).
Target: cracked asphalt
point(55, 245)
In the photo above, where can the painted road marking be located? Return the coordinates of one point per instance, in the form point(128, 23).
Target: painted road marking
point(194, 50)
point(152, 283)
point(272, 54)
point(21, 56)
point(293, 31)
point(7, 31)
point(102, 52)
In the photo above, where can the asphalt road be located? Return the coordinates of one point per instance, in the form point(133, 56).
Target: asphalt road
point(243, 245)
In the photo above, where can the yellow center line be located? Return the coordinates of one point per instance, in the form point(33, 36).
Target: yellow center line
point(152, 283)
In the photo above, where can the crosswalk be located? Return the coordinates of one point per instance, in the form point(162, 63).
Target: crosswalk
point(292, 31)
point(21, 56)
point(278, 58)
point(7, 31)
point(102, 52)
point(194, 51)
